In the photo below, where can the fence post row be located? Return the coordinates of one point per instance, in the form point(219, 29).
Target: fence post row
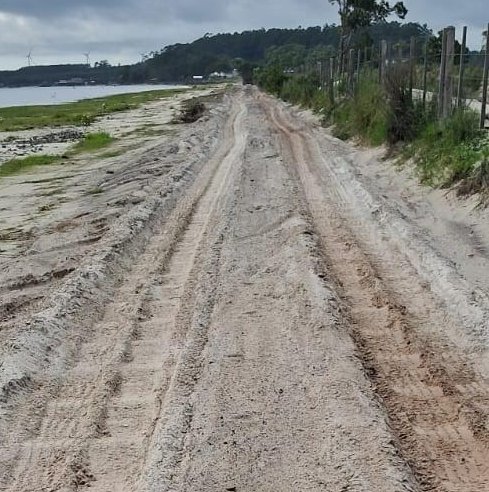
point(485, 82)
point(447, 99)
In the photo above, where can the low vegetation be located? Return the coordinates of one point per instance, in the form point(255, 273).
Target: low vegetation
point(16, 166)
point(92, 142)
point(81, 113)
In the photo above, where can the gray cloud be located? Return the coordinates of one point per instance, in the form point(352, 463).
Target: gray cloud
point(60, 30)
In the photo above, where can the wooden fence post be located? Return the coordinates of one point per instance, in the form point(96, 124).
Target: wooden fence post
point(445, 98)
point(359, 67)
point(485, 82)
point(383, 61)
point(460, 89)
point(351, 70)
point(425, 73)
point(331, 80)
point(412, 65)
point(443, 60)
point(327, 74)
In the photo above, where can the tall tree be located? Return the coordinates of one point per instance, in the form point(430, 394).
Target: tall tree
point(356, 14)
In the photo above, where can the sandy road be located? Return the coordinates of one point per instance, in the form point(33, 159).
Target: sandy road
point(277, 329)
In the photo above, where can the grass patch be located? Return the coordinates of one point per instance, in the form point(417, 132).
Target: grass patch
point(16, 166)
point(81, 113)
point(449, 151)
point(93, 142)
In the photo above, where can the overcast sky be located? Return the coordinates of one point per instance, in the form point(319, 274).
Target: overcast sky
point(60, 31)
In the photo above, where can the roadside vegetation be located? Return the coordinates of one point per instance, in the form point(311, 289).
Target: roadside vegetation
point(78, 113)
point(444, 152)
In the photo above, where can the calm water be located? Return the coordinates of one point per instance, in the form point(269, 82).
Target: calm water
point(30, 96)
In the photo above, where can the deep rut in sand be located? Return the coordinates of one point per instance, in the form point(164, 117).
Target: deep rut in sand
point(437, 404)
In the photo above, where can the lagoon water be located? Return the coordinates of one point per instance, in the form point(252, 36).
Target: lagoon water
point(35, 96)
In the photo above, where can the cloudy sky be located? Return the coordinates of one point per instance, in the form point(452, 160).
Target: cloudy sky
point(120, 30)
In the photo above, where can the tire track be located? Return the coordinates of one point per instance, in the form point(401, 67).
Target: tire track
point(437, 404)
point(165, 451)
point(95, 431)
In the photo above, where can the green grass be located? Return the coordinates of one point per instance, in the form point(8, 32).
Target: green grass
point(92, 142)
point(365, 117)
point(78, 113)
point(448, 151)
point(16, 166)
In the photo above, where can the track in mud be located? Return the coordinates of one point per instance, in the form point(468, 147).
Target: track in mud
point(260, 340)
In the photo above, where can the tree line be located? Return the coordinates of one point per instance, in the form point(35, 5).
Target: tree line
point(177, 63)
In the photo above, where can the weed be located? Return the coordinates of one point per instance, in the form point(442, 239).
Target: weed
point(92, 142)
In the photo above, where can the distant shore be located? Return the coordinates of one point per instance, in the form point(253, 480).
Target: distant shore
point(41, 96)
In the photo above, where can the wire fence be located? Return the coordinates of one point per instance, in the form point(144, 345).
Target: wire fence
point(444, 74)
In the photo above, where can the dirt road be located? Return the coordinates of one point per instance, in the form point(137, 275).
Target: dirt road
point(265, 319)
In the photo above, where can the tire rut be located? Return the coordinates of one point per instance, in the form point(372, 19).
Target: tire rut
point(436, 403)
point(97, 423)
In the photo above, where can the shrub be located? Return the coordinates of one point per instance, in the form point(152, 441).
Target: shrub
point(404, 116)
point(365, 116)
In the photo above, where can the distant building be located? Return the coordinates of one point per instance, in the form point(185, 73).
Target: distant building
point(197, 79)
point(223, 75)
point(71, 82)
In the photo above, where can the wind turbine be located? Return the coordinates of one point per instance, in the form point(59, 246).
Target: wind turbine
point(29, 58)
point(87, 56)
